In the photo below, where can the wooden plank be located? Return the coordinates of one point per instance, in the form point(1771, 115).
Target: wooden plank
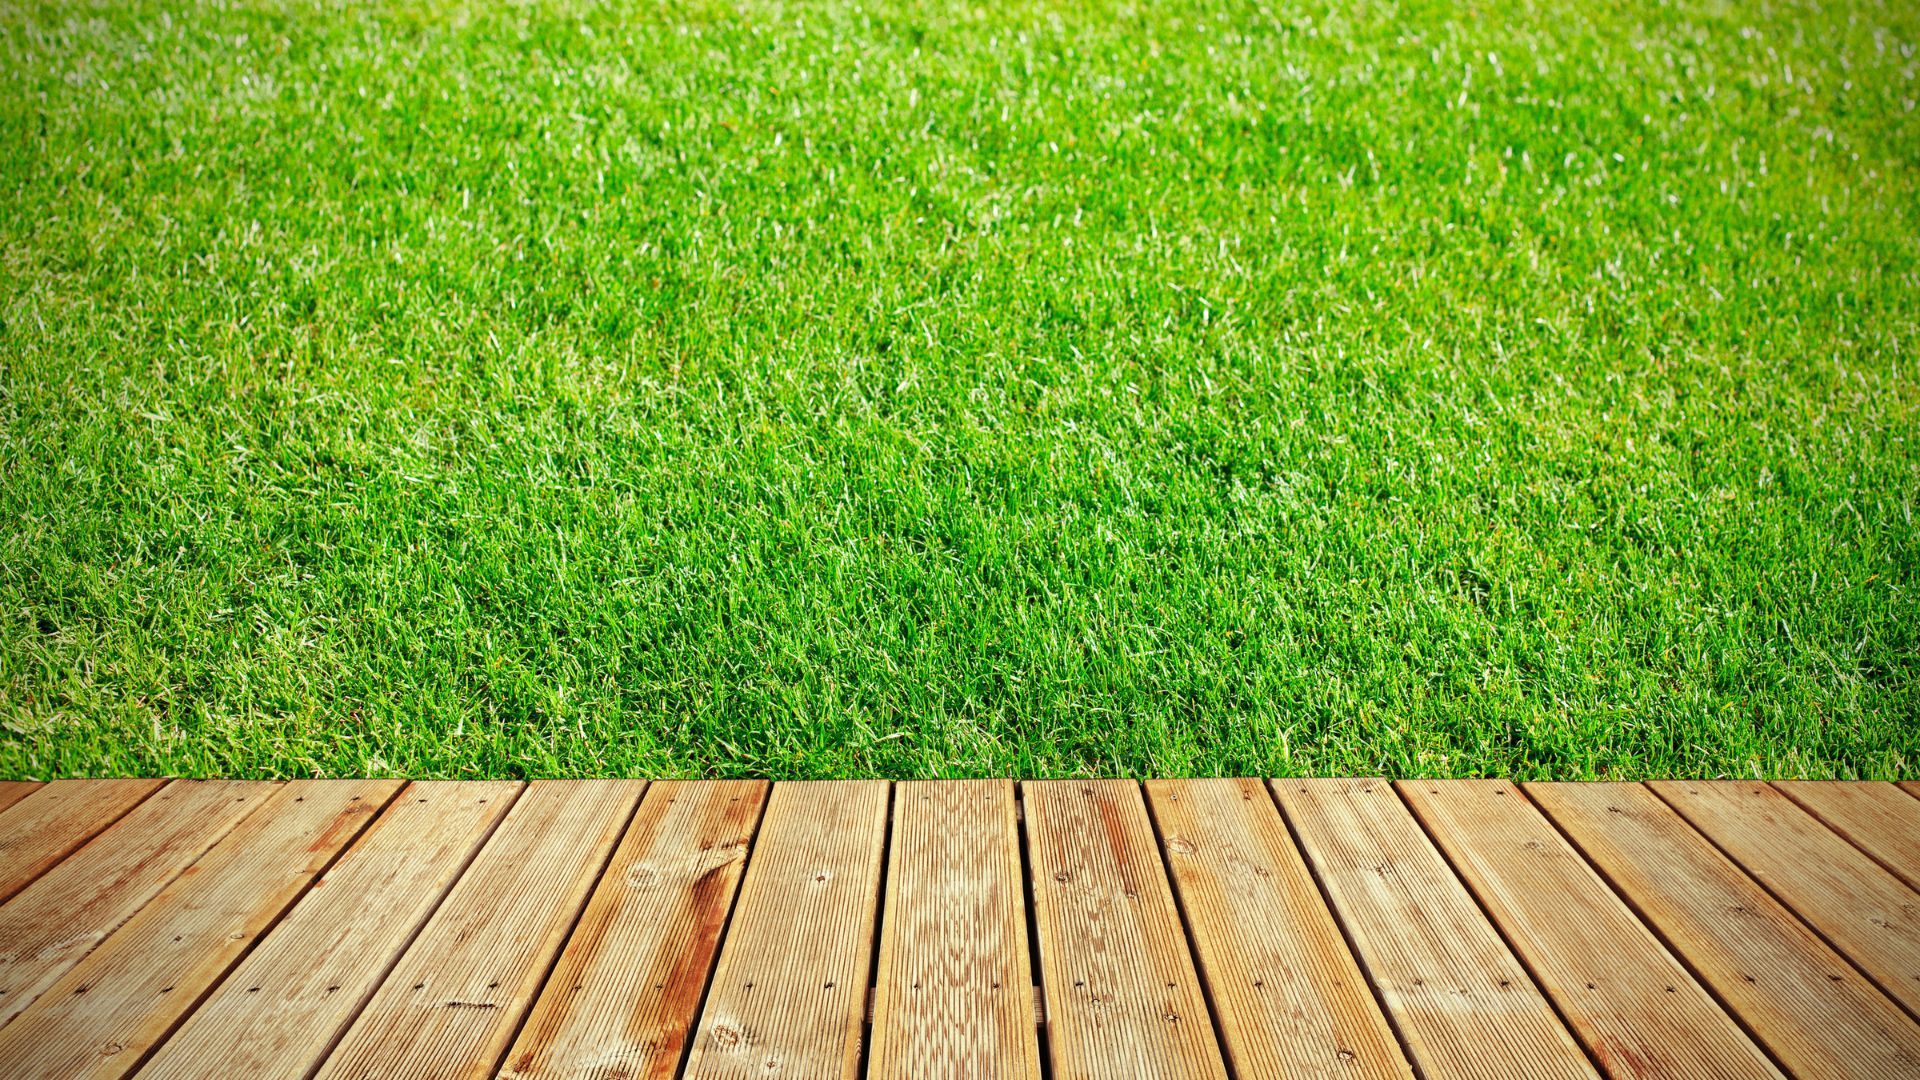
point(452, 1003)
point(12, 791)
point(1460, 1000)
point(1635, 1007)
point(1879, 818)
point(54, 922)
point(49, 824)
point(954, 993)
point(1289, 997)
point(623, 995)
point(1123, 997)
point(789, 993)
point(1798, 997)
point(1863, 911)
point(284, 1006)
point(102, 1017)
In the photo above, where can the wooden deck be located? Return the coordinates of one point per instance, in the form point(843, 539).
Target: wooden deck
point(1181, 928)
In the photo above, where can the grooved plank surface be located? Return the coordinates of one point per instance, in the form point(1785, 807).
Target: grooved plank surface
point(54, 922)
point(1805, 1003)
point(1123, 998)
point(1289, 996)
point(454, 1000)
point(1635, 1007)
point(1853, 902)
point(622, 997)
point(117, 1003)
point(1880, 819)
point(1462, 1003)
point(954, 993)
point(282, 1008)
point(789, 994)
point(12, 791)
point(620, 929)
point(46, 825)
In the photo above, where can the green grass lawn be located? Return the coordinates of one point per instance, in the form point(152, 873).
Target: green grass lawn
point(908, 388)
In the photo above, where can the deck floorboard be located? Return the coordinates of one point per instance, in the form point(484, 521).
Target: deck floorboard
point(1123, 996)
point(1289, 996)
point(1637, 1009)
point(118, 1003)
point(1800, 999)
point(281, 1010)
point(953, 995)
point(1347, 928)
point(1870, 916)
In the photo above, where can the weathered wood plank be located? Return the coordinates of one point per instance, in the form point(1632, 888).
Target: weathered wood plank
point(1463, 1005)
point(623, 995)
point(102, 1017)
point(1289, 996)
point(954, 992)
point(450, 1005)
point(1635, 1007)
point(51, 924)
point(1879, 818)
point(47, 825)
point(1863, 911)
point(1799, 998)
point(283, 1007)
point(789, 993)
point(12, 791)
point(1123, 996)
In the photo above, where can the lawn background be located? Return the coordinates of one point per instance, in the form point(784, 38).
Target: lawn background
point(822, 389)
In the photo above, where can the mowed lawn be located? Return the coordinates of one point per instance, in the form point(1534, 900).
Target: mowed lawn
point(913, 388)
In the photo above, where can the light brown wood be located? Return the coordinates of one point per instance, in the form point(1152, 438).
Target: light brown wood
point(1798, 997)
point(1879, 818)
point(1863, 911)
point(12, 791)
point(450, 1005)
point(51, 924)
point(622, 997)
point(282, 1008)
point(953, 996)
point(1123, 996)
point(790, 990)
point(1288, 995)
point(46, 826)
point(112, 1007)
point(1462, 1004)
point(1635, 1007)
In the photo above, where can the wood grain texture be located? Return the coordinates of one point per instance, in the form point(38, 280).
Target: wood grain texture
point(47, 825)
point(12, 791)
point(51, 924)
point(1288, 995)
point(102, 1017)
point(1862, 910)
point(1123, 996)
point(450, 1005)
point(285, 1004)
point(622, 998)
point(1639, 1012)
point(1461, 1002)
point(1878, 818)
point(954, 991)
point(789, 994)
point(1799, 998)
